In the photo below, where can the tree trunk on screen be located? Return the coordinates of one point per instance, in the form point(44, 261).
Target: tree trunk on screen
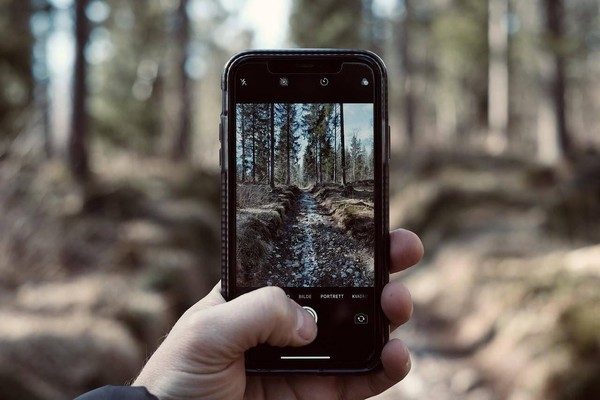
point(272, 145)
point(342, 144)
point(335, 127)
point(253, 143)
point(288, 152)
point(77, 146)
point(243, 140)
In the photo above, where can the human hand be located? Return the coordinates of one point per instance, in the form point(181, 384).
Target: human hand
point(203, 355)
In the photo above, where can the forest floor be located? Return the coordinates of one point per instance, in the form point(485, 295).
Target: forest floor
point(506, 298)
point(308, 246)
point(91, 279)
point(312, 250)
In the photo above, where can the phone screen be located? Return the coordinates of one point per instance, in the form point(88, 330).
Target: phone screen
point(305, 157)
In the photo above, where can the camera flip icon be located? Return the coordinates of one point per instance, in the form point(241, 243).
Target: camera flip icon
point(361, 319)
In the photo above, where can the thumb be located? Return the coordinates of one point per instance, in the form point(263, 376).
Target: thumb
point(265, 315)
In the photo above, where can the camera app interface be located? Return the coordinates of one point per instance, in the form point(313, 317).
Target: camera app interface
point(305, 195)
point(305, 157)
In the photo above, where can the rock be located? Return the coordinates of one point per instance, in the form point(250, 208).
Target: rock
point(175, 272)
point(584, 261)
point(465, 380)
point(144, 232)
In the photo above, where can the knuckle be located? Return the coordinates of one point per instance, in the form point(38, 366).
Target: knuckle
point(276, 303)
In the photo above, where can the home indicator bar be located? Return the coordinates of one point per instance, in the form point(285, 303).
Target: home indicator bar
point(305, 357)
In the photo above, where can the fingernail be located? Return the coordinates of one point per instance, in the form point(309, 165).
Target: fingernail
point(306, 326)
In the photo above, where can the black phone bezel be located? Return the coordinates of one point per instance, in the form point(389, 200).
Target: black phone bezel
point(312, 61)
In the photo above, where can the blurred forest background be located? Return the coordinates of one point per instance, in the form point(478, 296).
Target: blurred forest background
point(109, 183)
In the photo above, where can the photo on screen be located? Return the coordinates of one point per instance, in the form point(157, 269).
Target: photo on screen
point(304, 195)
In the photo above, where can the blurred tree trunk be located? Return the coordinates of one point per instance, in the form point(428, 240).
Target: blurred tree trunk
point(181, 146)
point(43, 105)
point(371, 28)
point(407, 73)
point(44, 88)
point(327, 23)
point(16, 77)
point(43, 10)
point(77, 146)
point(498, 95)
point(554, 140)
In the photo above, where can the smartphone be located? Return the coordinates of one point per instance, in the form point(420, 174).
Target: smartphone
point(304, 168)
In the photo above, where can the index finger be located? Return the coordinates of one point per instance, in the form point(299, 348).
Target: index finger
point(406, 250)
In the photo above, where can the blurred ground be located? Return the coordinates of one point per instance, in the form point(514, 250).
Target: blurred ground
point(506, 300)
point(91, 282)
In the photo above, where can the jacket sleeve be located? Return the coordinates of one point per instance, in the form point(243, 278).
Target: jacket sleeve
point(118, 393)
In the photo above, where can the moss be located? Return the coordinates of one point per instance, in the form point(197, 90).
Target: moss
point(258, 226)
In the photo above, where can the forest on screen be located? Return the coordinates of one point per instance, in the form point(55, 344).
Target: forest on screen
point(292, 143)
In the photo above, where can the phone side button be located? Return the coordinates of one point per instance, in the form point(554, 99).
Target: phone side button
point(388, 143)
